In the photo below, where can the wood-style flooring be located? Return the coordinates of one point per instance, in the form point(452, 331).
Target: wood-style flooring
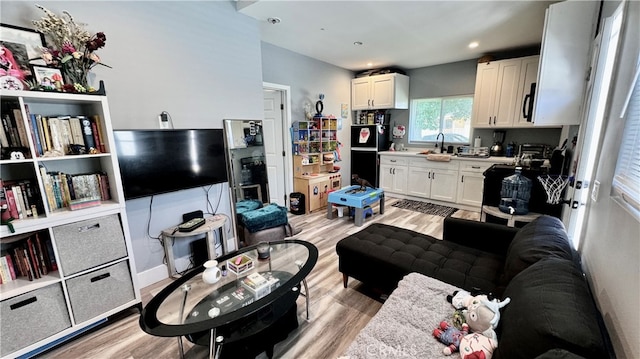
point(337, 314)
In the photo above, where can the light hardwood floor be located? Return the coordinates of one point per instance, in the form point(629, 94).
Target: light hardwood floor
point(337, 314)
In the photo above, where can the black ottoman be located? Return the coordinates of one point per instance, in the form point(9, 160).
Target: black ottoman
point(381, 255)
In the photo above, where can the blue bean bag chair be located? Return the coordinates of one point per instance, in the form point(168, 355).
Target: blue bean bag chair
point(266, 217)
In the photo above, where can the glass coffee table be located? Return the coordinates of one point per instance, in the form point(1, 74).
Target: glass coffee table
point(240, 315)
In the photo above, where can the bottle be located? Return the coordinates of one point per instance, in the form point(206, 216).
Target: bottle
point(245, 175)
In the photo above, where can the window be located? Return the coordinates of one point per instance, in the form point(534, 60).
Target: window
point(626, 182)
point(449, 115)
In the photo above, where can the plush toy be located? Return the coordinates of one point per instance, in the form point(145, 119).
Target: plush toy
point(480, 313)
point(477, 346)
point(450, 336)
point(483, 315)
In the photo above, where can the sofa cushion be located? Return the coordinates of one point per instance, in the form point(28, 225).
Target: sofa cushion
point(551, 308)
point(542, 238)
point(384, 254)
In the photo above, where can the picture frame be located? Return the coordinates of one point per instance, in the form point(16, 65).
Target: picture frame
point(20, 48)
point(48, 78)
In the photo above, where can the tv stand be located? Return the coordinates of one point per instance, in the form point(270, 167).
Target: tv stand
point(212, 224)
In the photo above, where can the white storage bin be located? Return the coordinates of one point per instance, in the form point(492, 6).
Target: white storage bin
point(32, 316)
point(100, 291)
point(87, 244)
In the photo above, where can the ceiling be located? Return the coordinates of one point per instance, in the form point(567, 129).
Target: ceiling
point(404, 34)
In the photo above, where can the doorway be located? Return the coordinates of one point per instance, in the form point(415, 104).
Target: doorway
point(277, 120)
point(590, 134)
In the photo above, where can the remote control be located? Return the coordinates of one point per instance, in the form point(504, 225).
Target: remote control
point(191, 224)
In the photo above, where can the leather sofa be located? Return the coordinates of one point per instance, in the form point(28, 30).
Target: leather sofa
point(552, 313)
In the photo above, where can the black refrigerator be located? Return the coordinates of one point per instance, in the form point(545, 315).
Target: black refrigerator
point(366, 142)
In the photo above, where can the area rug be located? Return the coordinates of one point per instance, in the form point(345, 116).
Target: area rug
point(425, 207)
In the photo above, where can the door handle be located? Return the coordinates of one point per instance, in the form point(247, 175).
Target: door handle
point(494, 119)
point(524, 107)
point(462, 179)
point(489, 120)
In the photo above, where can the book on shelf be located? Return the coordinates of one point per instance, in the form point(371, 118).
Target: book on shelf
point(97, 121)
point(20, 127)
point(87, 132)
point(11, 202)
point(35, 133)
point(75, 191)
point(29, 256)
point(76, 130)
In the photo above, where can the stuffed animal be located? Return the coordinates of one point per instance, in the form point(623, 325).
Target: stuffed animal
point(450, 336)
point(483, 315)
point(480, 313)
point(477, 346)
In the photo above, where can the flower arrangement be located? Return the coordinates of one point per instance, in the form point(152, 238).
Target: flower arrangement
point(73, 49)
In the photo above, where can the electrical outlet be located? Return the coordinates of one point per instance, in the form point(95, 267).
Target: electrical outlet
point(595, 191)
point(163, 120)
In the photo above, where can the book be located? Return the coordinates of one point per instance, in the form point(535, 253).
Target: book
point(55, 132)
point(4, 141)
point(4, 270)
point(96, 137)
point(21, 128)
point(11, 202)
point(12, 270)
point(87, 133)
point(65, 129)
point(27, 264)
point(40, 121)
point(53, 264)
point(33, 259)
point(42, 264)
point(17, 194)
point(76, 131)
point(35, 133)
point(98, 121)
point(47, 133)
point(18, 262)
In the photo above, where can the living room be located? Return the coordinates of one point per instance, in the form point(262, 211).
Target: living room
point(217, 71)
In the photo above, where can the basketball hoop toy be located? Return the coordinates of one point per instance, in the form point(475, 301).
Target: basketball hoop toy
point(553, 185)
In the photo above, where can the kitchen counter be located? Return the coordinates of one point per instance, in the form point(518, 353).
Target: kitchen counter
point(416, 154)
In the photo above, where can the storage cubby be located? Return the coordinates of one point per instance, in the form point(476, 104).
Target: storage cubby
point(86, 243)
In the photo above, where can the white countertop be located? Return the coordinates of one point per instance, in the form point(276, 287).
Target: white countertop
point(492, 159)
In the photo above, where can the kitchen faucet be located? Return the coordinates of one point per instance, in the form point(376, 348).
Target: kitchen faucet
point(441, 143)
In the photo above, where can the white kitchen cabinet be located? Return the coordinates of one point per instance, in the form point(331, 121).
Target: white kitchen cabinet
point(564, 59)
point(528, 78)
point(501, 88)
point(389, 91)
point(433, 180)
point(393, 174)
point(471, 182)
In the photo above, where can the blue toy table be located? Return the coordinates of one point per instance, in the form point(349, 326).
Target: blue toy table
point(356, 197)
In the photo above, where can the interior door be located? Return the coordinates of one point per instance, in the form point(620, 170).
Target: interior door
point(274, 146)
point(589, 137)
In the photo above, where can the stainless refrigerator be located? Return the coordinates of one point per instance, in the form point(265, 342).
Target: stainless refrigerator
point(366, 142)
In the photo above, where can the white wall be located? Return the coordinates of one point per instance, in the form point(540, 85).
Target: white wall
point(611, 244)
point(308, 78)
point(198, 60)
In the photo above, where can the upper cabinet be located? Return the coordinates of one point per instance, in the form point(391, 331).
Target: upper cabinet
point(564, 59)
point(503, 93)
point(389, 91)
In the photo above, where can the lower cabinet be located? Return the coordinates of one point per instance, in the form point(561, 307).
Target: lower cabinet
point(393, 174)
point(471, 183)
point(433, 180)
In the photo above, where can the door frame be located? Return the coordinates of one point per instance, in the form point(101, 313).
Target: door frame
point(285, 92)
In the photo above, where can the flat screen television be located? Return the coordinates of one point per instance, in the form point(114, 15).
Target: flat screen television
point(160, 161)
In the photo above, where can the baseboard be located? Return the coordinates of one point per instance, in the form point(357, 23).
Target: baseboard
point(158, 273)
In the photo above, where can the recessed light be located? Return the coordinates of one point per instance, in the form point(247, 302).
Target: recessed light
point(473, 45)
point(369, 64)
point(274, 20)
point(358, 43)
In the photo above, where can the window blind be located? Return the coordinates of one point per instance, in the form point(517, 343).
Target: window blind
point(626, 182)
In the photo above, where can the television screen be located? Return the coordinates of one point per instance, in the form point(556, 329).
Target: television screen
point(161, 161)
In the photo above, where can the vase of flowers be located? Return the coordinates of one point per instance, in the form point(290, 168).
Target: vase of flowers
point(72, 48)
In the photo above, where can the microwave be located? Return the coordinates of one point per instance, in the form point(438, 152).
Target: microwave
point(534, 150)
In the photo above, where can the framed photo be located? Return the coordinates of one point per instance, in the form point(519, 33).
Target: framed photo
point(17, 46)
point(47, 77)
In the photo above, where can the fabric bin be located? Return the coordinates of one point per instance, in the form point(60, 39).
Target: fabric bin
point(31, 317)
point(89, 243)
point(100, 291)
